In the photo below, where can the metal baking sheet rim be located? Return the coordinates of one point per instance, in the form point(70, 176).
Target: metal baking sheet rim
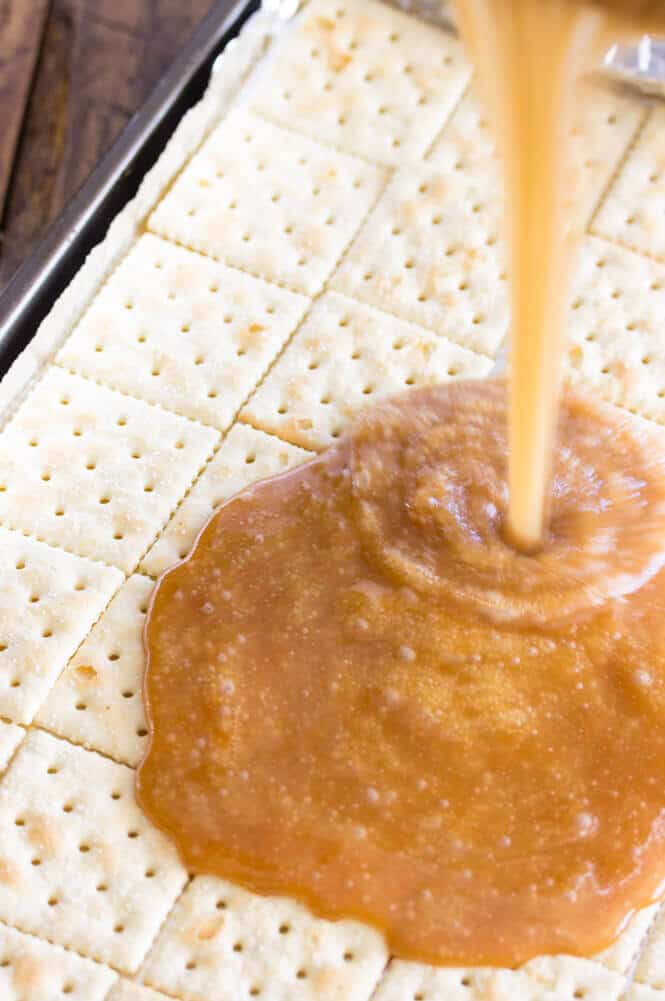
point(81, 234)
point(51, 290)
point(40, 286)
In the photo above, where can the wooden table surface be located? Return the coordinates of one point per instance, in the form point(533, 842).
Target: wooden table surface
point(71, 74)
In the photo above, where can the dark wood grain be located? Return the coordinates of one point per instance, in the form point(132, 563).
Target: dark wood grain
point(99, 60)
point(32, 203)
point(21, 29)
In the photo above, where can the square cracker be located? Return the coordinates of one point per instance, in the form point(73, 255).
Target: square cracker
point(80, 865)
point(466, 145)
point(633, 212)
point(430, 253)
point(269, 201)
point(221, 941)
point(246, 455)
point(48, 602)
point(606, 122)
point(11, 736)
point(182, 331)
point(651, 966)
point(344, 356)
point(615, 327)
point(549, 978)
point(367, 79)
point(32, 970)
point(93, 471)
point(97, 699)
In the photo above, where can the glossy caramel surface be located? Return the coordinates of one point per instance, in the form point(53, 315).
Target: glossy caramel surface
point(362, 697)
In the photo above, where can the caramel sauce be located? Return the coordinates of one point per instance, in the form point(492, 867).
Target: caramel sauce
point(532, 60)
point(362, 695)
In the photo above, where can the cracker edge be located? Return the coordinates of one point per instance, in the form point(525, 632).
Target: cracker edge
point(229, 74)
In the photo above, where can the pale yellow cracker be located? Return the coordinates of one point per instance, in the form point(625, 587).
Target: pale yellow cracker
point(615, 327)
point(651, 966)
point(246, 455)
point(621, 954)
point(560, 978)
point(430, 253)
point(606, 122)
point(93, 471)
point(11, 736)
point(466, 145)
point(48, 601)
point(80, 864)
point(365, 78)
point(97, 700)
point(432, 250)
point(177, 329)
point(634, 211)
point(269, 201)
point(345, 356)
point(550, 978)
point(32, 970)
point(126, 990)
point(230, 70)
point(224, 943)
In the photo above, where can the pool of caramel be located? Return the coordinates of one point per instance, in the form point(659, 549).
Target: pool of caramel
point(362, 696)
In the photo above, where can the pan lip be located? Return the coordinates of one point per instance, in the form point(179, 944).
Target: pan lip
point(37, 284)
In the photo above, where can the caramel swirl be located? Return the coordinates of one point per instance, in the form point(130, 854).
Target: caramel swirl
point(432, 505)
point(329, 721)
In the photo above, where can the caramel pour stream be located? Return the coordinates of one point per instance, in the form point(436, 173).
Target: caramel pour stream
point(362, 696)
point(531, 58)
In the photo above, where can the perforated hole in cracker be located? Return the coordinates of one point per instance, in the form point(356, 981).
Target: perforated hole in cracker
point(606, 123)
point(186, 357)
point(364, 78)
point(96, 505)
point(633, 211)
point(33, 970)
point(241, 947)
point(343, 358)
point(246, 455)
point(614, 328)
point(48, 601)
point(97, 700)
point(174, 350)
point(73, 809)
point(269, 222)
point(449, 280)
point(560, 978)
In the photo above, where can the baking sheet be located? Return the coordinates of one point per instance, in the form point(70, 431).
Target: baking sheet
point(43, 277)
